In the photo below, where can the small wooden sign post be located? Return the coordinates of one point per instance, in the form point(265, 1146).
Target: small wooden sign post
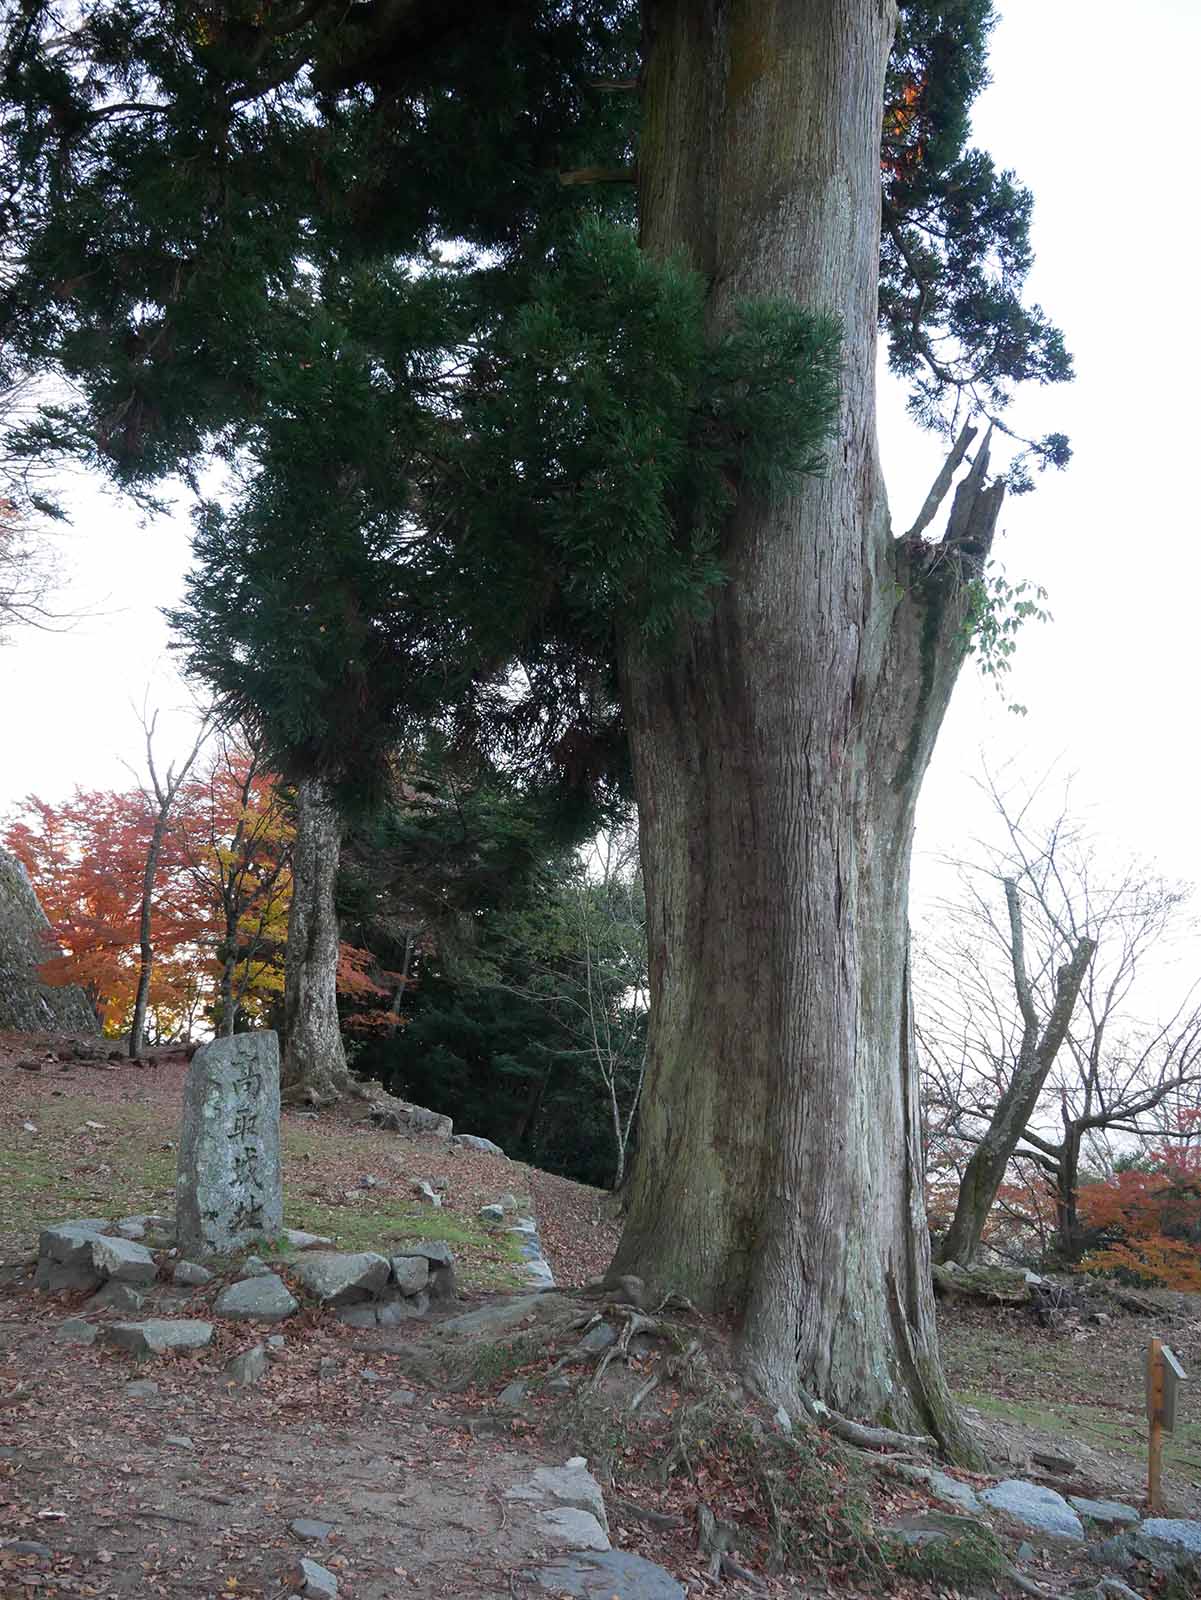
point(1164, 1374)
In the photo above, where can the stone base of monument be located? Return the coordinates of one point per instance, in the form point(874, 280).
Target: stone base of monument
point(116, 1260)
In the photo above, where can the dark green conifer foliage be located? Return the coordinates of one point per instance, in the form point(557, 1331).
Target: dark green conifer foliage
point(453, 475)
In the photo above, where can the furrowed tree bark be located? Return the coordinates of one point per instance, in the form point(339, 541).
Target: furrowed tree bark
point(778, 750)
point(1040, 1045)
point(313, 1069)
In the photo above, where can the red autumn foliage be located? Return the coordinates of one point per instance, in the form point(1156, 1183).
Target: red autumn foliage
point(1150, 1215)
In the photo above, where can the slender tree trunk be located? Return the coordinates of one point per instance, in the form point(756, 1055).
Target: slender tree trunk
point(145, 948)
point(1067, 1181)
point(314, 1069)
point(778, 750)
point(1040, 1045)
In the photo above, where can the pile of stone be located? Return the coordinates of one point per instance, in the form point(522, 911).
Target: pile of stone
point(93, 1252)
point(367, 1289)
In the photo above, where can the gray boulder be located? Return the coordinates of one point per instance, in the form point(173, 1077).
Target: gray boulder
point(114, 1296)
point(600, 1576)
point(158, 1335)
point(410, 1274)
point(1109, 1513)
point(311, 1529)
point(331, 1275)
point(1168, 1544)
point(56, 1276)
point(313, 1581)
point(190, 1275)
point(124, 1259)
point(76, 1331)
point(492, 1213)
point(436, 1251)
point(569, 1485)
point(578, 1530)
point(254, 1267)
point(71, 1242)
point(1037, 1508)
point(400, 1116)
point(300, 1240)
point(941, 1485)
point(443, 1284)
point(473, 1141)
point(256, 1300)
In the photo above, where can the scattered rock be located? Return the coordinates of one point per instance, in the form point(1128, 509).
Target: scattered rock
point(309, 1528)
point(443, 1285)
point(513, 1394)
point(188, 1274)
point(116, 1297)
point(265, 1299)
point(299, 1240)
point(578, 1530)
point(398, 1116)
point(558, 1385)
point(71, 1242)
point(498, 1317)
point(254, 1267)
point(141, 1389)
point(247, 1368)
point(402, 1397)
point(328, 1367)
point(492, 1213)
point(76, 1331)
point(158, 1335)
point(331, 1275)
point(436, 1251)
point(180, 1441)
point(426, 1190)
point(28, 1547)
point(124, 1260)
point(1168, 1544)
point(570, 1485)
point(410, 1273)
point(1035, 1507)
point(391, 1313)
point(369, 1181)
point(1110, 1513)
point(313, 1581)
point(473, 1141)
point(55, 1277)
point(941, 1485)
point(601, 1576)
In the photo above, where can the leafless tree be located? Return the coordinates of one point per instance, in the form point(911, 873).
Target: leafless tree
point(1030, 1006)
point(160, 795)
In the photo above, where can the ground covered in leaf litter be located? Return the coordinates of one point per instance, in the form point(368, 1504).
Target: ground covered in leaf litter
point(191, 1490)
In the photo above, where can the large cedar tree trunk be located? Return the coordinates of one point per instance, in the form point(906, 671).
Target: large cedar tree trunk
point(778, 752)
point(314, 1067)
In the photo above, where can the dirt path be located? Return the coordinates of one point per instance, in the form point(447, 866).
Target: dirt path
point(191, 1488)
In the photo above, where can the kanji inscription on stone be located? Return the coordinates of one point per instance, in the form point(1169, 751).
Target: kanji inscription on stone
point(228, 1189)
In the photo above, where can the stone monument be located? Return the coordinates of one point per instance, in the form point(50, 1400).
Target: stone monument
point(229, 1191)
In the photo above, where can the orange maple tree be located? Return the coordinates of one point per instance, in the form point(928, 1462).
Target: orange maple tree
point(1150, 1215)
point(220, 900)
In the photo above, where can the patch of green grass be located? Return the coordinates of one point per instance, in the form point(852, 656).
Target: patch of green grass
point(67, 1170)
point(965, 1561)
point(1101, 1426)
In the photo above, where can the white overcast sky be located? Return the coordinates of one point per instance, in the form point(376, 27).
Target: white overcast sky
point(1095, 108)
